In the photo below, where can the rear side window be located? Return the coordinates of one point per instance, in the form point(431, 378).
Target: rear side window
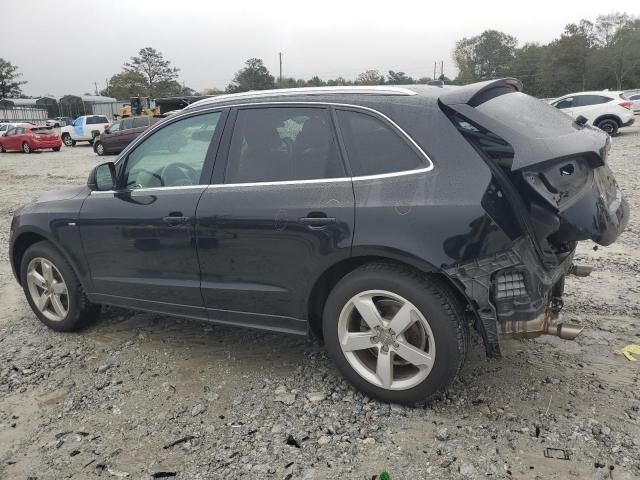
point(127, 123)
point(373, 147)
point(283, 144)
point(565, 103)
point(586, 100)
point(140, 122)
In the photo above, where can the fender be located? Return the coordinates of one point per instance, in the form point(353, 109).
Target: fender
point(76, 263)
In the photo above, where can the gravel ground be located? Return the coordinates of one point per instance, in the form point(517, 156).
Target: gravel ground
point(139, 395)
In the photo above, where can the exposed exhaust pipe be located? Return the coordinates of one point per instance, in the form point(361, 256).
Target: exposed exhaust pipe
point(566, 331)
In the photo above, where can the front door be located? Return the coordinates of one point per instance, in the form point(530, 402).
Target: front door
point(282, 214)
point(139, 239)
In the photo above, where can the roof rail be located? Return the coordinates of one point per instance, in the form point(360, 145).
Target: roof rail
point(372, 90)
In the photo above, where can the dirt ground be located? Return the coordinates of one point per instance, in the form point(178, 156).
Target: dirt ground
point(139, 395)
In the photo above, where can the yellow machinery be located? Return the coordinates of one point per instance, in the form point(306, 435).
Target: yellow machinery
point(138, 106)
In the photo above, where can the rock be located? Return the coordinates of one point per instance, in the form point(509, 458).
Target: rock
point(280, 390)
point(316, 396)
point(198, 409)
point(286, 398)
point(369, 441)
point(468, 471)
point(324, 440)
point(442, 434)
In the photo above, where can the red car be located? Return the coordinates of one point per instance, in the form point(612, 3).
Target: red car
point(28, 138)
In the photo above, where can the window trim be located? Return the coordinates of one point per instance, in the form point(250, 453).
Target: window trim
point(223, 138)
point(332, 106)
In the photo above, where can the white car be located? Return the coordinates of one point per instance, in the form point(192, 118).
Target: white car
point(606, 110)
point(84, 129)
point(635, 98)
point(6, 126)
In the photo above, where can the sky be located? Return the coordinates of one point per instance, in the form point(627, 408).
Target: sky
point(63, 47)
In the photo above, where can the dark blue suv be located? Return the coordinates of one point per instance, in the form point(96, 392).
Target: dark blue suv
point(388, 221)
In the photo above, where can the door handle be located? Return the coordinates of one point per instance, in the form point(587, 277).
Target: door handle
point(317, 222)
point(175, 220)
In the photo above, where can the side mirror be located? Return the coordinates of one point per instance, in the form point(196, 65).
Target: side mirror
point(102, 177)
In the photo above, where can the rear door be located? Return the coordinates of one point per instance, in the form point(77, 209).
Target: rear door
point(280, 211)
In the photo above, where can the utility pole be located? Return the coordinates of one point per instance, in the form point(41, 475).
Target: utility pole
point(442, 68)
point(95, 84)
point(280, 58)
point(434, 70)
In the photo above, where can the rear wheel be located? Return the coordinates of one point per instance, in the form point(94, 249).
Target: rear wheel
point(53, 289)
point(396, 335)
point(26, 148)
point(98, 147)
point(609, 125)
point(56, 149)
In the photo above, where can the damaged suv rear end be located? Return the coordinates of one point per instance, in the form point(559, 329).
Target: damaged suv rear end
point(551, 188)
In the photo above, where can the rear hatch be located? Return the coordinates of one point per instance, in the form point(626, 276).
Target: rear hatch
point(553, 171)
point(44, 133)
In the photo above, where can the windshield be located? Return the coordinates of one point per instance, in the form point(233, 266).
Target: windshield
point(42, 130)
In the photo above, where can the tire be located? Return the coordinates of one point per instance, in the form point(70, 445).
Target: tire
point(56, 149)
point(90, 141)
point(437, 329)
point(67, 140)
point(57, 125)
point(26, 148)
point(608, 125)
point(98, 147)
point(73, 307)
point(2, 150)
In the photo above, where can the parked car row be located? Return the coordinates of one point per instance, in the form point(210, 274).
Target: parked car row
point(609, 111)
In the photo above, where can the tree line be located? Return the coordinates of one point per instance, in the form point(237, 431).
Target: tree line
point(587, 56)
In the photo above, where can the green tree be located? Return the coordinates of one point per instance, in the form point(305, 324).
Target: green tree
point(254, 76)
point(485, 56)
point(9, 83)
point(211, 91)
point(316, 82)
point(126, 85)
point(618, 62)
point(153, 66)
point(370, 77)
point(398, 78)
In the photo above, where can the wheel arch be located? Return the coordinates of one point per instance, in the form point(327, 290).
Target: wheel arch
point(332, 275)
point(29, 237)
point(608, 116)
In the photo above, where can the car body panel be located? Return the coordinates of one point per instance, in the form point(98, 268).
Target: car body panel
point(116, 141)
point(596, 112)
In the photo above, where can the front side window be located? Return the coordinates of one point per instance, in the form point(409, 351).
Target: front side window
point(564, 103)
point(283, 144)
point(116, 127)
point(172, 156)
point(373, 147)
point(11, 131)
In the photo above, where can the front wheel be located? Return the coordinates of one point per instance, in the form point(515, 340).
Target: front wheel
point(26, 148)
point(98, 147)
point(53, 289)
point(2, 150)
point(609, 125)
point(67, 140)
point(397, 335)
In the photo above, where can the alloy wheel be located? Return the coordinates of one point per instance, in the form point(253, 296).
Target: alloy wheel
point(386, 340)
point(66, 139)
point(99, 148)
point(26, 148)
point(48, 289)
